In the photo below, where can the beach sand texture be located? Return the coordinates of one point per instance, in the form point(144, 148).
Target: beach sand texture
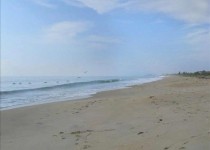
point(171, 114)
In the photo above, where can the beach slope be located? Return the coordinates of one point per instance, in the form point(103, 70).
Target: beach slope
point(173, 114)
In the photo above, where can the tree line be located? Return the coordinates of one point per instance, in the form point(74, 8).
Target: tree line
point(197, 73)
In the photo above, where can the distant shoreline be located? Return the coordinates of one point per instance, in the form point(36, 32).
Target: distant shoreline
point(79, 98)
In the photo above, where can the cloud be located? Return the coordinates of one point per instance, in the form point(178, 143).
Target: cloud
point(66, 31)
point(102, 42)
point(44, 3)
point(100, 6)
point(198, 39)
point(103, 39)
point(198, 36)
point(190, 11)
point(79, 33)
point(75, 3)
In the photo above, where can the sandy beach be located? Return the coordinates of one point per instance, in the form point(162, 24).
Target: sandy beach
point(170, 114)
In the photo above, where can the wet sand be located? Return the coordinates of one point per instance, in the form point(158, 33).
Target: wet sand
point(171, 114)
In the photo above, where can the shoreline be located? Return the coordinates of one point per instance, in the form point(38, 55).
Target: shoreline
point(172, 113)
point(78, 98)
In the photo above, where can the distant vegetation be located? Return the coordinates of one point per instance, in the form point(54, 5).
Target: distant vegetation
point(199, 74)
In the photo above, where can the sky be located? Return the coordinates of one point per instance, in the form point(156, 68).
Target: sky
point(104, 37)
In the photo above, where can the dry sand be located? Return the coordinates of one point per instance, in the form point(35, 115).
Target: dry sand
point(172, 114)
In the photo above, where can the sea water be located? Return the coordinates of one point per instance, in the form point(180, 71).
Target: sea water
point(24, 91)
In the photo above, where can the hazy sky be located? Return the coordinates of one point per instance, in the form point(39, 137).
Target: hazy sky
point(104, 37)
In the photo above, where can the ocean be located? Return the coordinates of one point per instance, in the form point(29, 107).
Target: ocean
point(25, 91)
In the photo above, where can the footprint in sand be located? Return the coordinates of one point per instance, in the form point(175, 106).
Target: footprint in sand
point(151, 97)
point(39, 123)
point(140, 133)
point(84, 107)
point(86, 146)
